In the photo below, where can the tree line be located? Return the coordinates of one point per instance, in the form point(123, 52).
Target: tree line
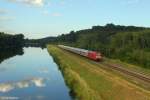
point(127, 43)
point(11, 41)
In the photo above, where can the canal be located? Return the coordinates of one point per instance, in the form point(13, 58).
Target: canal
point(31, 74)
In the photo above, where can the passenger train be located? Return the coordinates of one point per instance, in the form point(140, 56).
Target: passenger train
point(86, 53)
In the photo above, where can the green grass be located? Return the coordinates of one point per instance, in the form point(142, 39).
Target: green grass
point(89, 82)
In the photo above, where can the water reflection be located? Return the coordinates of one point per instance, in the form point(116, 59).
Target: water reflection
point(32, 76)
point(8, 98)
point(6, 87)
point(37, 81)
point(44, 70)
point(2, 69)
point(7, 53)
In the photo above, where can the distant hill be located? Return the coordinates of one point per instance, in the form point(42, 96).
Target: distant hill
point(39, 42)
point(72, 37)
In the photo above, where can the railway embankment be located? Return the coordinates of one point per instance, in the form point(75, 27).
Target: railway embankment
point(87, 81)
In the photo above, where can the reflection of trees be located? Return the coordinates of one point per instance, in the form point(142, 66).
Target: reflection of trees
point(35, 45)
point(7, 53)
point(10, 45)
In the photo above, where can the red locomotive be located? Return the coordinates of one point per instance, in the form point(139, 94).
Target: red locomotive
point(86, 53)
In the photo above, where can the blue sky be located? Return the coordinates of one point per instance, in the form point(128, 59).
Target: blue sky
point(41, 18)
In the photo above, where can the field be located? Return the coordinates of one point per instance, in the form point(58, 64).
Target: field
point(88, 81)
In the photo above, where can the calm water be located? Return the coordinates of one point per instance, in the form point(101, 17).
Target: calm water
point(32, 76)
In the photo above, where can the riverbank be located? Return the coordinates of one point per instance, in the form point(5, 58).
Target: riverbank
point(89, 82)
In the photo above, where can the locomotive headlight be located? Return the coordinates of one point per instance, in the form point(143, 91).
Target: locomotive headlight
point(98, 56)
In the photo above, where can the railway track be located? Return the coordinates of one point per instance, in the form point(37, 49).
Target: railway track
point(96, 56)
point(125, 71)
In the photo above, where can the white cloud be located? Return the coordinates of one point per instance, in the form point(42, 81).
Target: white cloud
point(6, 87)
point(56, 14)
point(3, 11)
point(38, 82)
point(8, 98)
point(29, 2)
point(22, 84)
point(62, 3)
point(44, 70)
point(132, 1)
point(45, 12)
point(6, 18)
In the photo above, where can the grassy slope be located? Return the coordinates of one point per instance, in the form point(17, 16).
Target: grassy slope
point(90, 82)
point(129, 66)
